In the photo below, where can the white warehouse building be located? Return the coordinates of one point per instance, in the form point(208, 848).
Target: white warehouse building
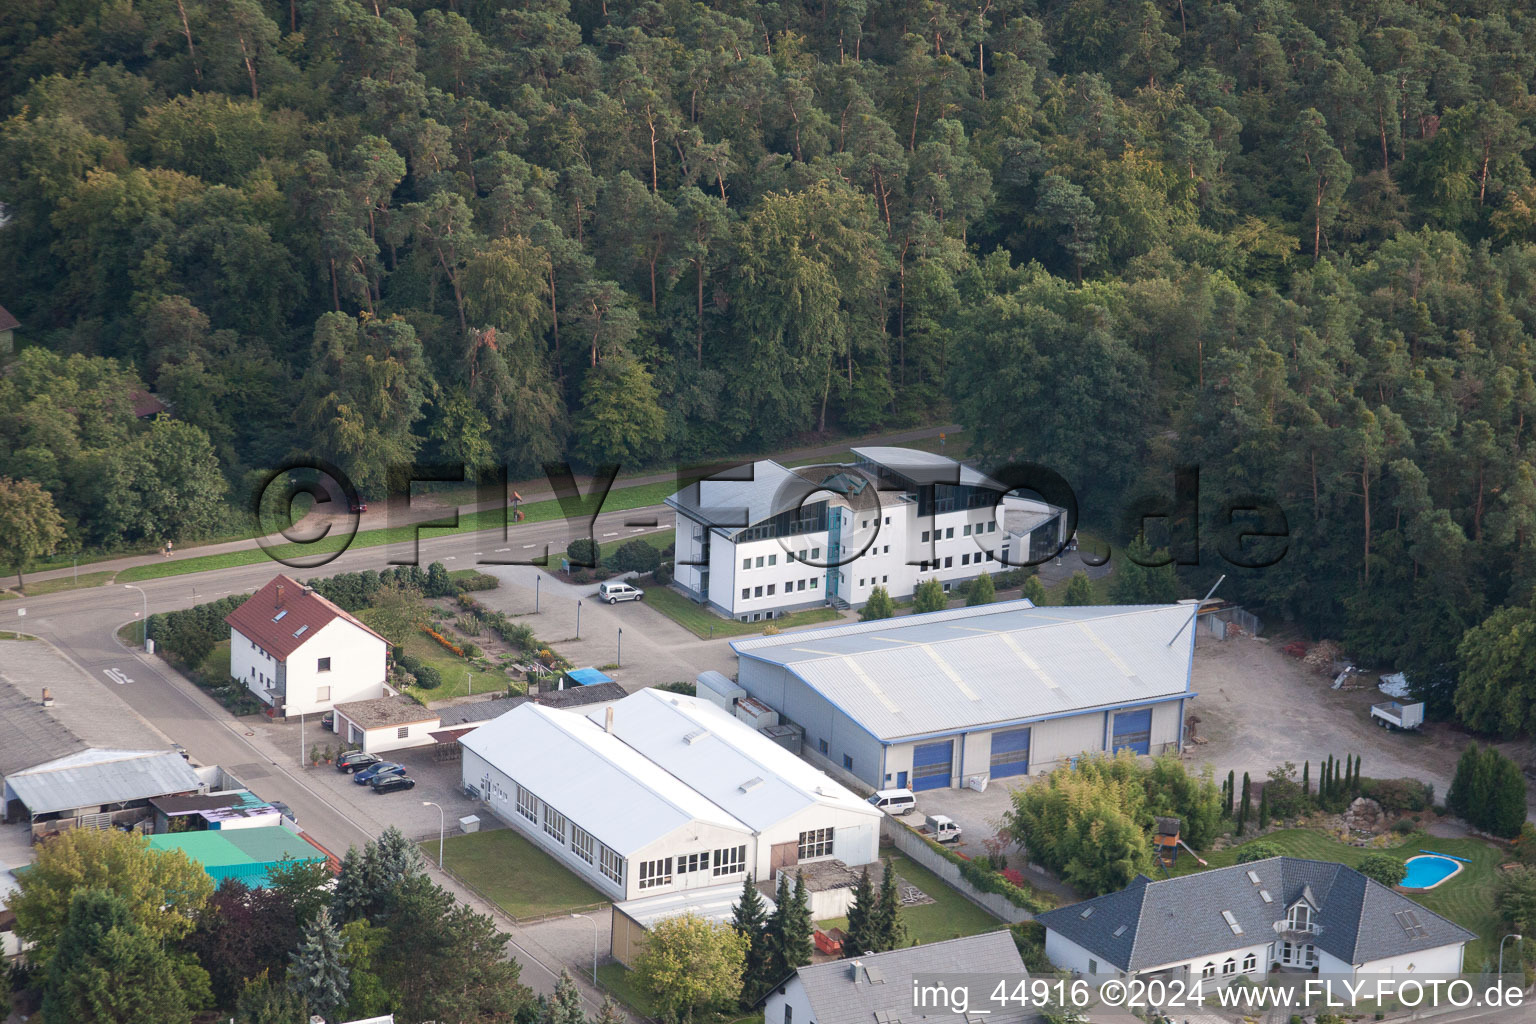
point(761, 540)
point(932, 701)
point(662, 793)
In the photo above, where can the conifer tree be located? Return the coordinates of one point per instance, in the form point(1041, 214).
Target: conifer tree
point(1306, 779)
point(750, 919)
point(797, 928)
point(1242, 806)
point(317, 971)
point(778, 959)
point(1231, 791)
point(859, 937)
point(1264, 808)
point(610, 1013)
point(889, 931)
point(565, 1005)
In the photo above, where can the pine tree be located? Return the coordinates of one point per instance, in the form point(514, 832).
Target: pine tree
point(1306, 779)
point(1465, 793)
point(264, 1001)
point(610, 1013)
point(890, 933)
point(316, 970)
point(859, 936)
point(750, 919)
point(1263, 808)
point(798, 929)
point(783, 909)
point(399, 858)
point(565, 1006)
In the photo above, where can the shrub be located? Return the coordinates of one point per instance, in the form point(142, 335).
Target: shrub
point(438, 583)
point(1397, 795)
point(583, 576)
point(1404, 826)
point(427, 677)
point(1029, 938)
point(1384, 868)
point(583, 551)
point(477, 581)
point(690, 689)
point(981, 875)
point(634, 556)
point(1489, 792)
point(1250, 852)
point(662, 574)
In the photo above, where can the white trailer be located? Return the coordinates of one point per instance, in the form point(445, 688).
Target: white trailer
point(1394, 714)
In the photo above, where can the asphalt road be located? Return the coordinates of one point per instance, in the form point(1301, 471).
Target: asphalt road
point(82, 625)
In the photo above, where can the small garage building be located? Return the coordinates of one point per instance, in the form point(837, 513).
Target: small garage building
point(936, 700)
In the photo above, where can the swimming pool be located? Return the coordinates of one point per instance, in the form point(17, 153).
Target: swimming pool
point(1428, 871)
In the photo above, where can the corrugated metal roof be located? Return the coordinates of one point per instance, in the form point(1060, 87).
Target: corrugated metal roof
point(972, 667)
point(595, 779)
point(715, 754)
point(717, 903)
point(97, 776)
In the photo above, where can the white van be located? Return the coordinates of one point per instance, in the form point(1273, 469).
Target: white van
point(894, 801)
point(614, 591)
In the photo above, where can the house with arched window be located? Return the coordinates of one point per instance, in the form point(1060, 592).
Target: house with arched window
point(1280, 914)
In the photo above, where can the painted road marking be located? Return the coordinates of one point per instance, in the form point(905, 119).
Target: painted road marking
point(500, 550)
point(450, 558)
point(615, 533)
point(116, 675)
point(526, 546)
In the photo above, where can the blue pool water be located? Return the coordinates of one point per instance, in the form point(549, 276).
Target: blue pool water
point(1428, 872)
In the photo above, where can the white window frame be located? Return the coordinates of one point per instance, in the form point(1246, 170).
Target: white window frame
point(655, 873)
point(528, 804)
point(554, 824)
point(731, 860)
point(815, 844)
point(581, 843)
point(610, 864)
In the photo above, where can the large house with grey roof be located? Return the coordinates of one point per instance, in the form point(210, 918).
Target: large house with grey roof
point(759, 540)
point(937, 700)
point(1285, 913)
point(877, 988)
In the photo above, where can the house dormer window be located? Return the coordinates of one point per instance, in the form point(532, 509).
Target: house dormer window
point(1299, 919)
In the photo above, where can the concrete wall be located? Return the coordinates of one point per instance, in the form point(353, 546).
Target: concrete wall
point(914, 846)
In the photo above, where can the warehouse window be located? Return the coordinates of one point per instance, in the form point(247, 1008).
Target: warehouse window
point(821, 745)
point(815, 843)
point(581, 843)
point(692, 862)
point(730, 861)
point(527, 804)
point(610, 864)
point(554, 824)
point(655, 872)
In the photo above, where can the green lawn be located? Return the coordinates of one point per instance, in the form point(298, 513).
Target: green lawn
point(514, 874)
point(6, 635)
point(1466, 899)
point(38, 588)
point(618, 500)
point(950, 916)
point(216, 665)
point(456, 672)
point(620, 983)
point(705, 624)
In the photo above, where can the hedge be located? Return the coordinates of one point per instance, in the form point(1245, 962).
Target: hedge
point(984, 878)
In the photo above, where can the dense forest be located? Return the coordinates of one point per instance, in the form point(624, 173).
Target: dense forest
point(1288, 241)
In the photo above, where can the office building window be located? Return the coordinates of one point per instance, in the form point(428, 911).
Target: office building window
point(965, 559)
point(527, 804)
point(770, 588)
point(554, 823)
point(800, 585)
point(730, 861)
point(991, 527)
point(815, 552)
point(655, 872)
point(949, 532)
point(746, 592)
point(815, 843)
point(887, 520)
point(746, 563)
point(949, 560)
point(581, 843)
point(815, 582)
point(925, 536)
point(967, 531)
point(773, 559)
point(324, 666)
point(821, 745)
point(757, 591)
point(759, 561)
point(861, 581)
point(611, 864)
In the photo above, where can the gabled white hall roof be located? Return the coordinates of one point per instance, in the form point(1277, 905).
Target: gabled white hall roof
point(970, 668)
point(604, 785)
point(734, 766)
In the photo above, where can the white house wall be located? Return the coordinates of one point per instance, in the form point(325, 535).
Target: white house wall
point(356, 673)
point(1069, 956)
point(387, 738)
point(1440, 960)
point(251, 665)
point(792, 995)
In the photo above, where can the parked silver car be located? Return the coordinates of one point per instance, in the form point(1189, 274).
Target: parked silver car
point(614, 591)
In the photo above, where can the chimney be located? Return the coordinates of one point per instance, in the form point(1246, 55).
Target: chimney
point(853, 970)
point(47, 698)
point(608, 721)
point(279, 595)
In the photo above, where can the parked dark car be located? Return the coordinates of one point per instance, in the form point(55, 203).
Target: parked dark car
point(284, 810)
point(329, 720)
point(390, 783)
point(379, 770)
point(356, 761)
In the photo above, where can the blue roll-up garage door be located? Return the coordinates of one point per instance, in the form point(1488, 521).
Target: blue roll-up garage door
point(931, 765)
point(1010, 753)
point(1133, 730)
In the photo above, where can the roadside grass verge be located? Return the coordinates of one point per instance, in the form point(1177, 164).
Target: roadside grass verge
point(706, 625)
point(514, 874)
point(949, 916)
point(41, 587)
point(618, 500)
point(1466, 899)
point(6, 635)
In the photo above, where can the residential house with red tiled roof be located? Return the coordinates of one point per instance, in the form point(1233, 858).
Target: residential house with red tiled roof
point(299, 653)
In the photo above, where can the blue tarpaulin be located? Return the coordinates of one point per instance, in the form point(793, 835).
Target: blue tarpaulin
point(587, 677)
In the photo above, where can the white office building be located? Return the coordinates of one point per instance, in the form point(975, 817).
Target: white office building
point(762, 540)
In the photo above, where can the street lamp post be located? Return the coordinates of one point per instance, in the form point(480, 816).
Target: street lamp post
point(1513, 935)
point(619, 661)
point(594, 944)
point(578, 620)
point(442, 829)
point(537, 579)
point(145, 596)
